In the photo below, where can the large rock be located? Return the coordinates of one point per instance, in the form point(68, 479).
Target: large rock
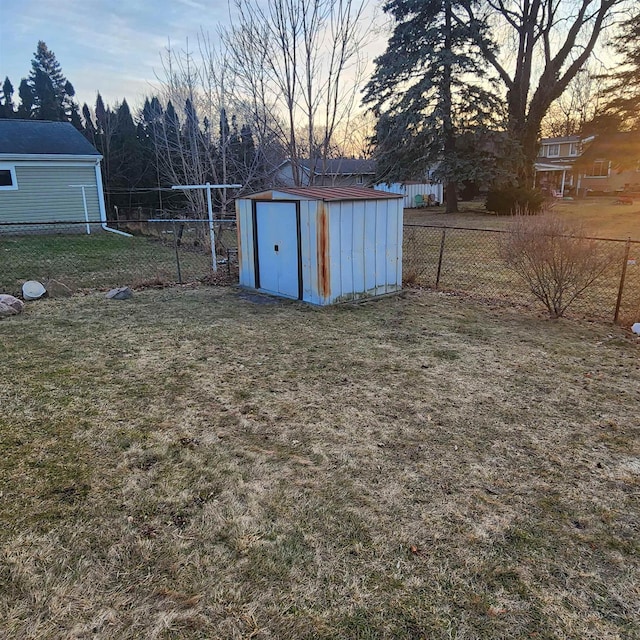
point(121, 293)
point(10, 301)
point(57, 289)
point(6, 310)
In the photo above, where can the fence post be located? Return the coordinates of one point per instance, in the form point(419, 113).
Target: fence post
point(623, 275)
point(175, 248)
point(442, 240)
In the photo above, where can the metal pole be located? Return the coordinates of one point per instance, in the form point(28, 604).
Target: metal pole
point(212, 234)
point(175, 247)
point(622, 278)
point(86, 213)
point(442, 239)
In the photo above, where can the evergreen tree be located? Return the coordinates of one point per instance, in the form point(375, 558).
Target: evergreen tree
point(53, 93)
point(429, 93)
point(7, 108)
point(27, 100)
point(623, 106)
point(89, 127)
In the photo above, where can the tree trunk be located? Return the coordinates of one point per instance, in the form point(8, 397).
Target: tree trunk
point(451, 196)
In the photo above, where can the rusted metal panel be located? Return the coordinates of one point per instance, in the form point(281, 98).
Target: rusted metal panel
point(245, 243)
point(308, 237)
point(322, 226)
point(326, 194)
point(349, 249)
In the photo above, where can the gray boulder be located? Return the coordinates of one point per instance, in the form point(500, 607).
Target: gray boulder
point(12, 302)
point(6, 310)
point(121, 293)
point(57, 289)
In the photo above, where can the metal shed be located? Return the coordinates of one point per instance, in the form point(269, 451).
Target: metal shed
point(321, 244)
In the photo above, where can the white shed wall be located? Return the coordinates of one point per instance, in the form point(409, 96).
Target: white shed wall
point(365, 251)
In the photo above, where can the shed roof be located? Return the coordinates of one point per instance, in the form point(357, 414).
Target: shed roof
point(42, 137)
point(327, 194)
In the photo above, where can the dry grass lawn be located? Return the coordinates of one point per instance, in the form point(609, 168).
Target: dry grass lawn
point(194, 464)
point(599, 215)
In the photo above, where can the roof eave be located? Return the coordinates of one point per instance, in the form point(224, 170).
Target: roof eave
point(62, 157)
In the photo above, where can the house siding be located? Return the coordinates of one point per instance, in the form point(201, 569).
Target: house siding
point(44, 194)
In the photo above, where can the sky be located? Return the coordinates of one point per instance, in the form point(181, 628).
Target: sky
point(111, 46)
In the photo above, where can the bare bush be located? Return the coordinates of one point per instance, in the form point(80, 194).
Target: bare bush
point(554, 258)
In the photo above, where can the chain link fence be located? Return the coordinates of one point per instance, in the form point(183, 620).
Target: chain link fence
point(471, 261)
point(85, 257)
point(173, 250)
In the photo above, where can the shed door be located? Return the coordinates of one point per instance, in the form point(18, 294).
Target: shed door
point(278, 252)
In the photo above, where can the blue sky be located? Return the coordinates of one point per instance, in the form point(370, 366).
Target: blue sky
point(108, 45)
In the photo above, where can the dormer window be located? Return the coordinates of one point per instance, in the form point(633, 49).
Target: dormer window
point(553, 150)
point(574, 149)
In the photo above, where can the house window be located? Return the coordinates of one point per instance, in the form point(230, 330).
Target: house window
point(8, 180)
point(359, 180)
point(574, 149)
point(599, 169)
point(553, 150)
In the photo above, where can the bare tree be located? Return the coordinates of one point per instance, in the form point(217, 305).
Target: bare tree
point(551, 41)
point(299, 66)
point(578, 105)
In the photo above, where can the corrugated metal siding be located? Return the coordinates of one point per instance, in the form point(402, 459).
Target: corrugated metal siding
point(349, 249)
point(365, 248)
point(244, 221)
point(44, 195)
point(410, 191)
point(309, 242)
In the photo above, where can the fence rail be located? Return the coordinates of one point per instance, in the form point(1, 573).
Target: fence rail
point(179, 250)
point(470, 260)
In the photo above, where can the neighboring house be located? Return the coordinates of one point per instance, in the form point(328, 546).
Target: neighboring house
point(578, 165)
point(336, 172)
point(43, 166)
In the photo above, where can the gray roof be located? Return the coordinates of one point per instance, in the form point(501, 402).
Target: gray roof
point(37, 137)
point(343, 166)
point(562, 140)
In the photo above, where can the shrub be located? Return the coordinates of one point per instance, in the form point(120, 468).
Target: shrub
point(551, 256)
point(512, 200)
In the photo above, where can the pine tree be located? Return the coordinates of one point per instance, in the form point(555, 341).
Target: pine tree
point(53, 93)
point(89, 127)
point(430, 94)
point(7, 108)
point(623, 106)
point(27, 100)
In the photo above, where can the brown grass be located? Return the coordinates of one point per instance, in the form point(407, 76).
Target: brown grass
point(600, 216)
point(196, 463)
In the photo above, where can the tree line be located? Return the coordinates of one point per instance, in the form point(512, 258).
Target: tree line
point(462, 93)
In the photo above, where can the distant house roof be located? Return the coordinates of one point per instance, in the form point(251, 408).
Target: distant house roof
point(327, 194)
point(341, 166)
point(41, 137)
point(565, 139)
point(621, 148)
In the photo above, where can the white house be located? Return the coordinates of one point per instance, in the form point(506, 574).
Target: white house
point(49, 172)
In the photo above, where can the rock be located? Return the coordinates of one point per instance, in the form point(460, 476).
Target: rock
point(57, 289)
point(122, 293)
point(16, 304)
point(6, 310)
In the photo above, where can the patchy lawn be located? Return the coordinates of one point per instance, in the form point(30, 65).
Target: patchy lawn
point(600, 216)
point(193, 463)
